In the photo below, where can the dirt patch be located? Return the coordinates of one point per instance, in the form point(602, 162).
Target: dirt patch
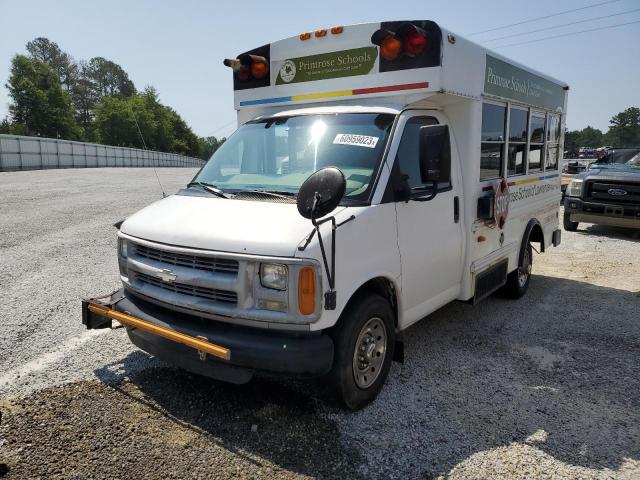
point(168, 424)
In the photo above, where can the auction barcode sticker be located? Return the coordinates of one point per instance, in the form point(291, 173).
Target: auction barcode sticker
point(358, 140)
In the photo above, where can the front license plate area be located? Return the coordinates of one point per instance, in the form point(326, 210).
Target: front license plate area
point(614, 211)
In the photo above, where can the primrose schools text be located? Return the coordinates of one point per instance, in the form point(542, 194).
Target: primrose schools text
point(531, 191)
point(528, 87)
point(339, 61)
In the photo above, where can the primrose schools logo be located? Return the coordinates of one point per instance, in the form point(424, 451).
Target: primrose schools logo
point(288, 71)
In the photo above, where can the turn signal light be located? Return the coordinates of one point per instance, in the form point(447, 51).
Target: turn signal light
point(390, 48)
point(409, 40)
point(307, 291)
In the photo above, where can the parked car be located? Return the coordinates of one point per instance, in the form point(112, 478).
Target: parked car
point(569, 170)
point(608, 193)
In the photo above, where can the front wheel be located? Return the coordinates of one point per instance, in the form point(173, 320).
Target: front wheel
point(518, 280)
point(569, 226)
point(364, 341)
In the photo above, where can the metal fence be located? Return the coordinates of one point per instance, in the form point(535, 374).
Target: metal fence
point(33, 153)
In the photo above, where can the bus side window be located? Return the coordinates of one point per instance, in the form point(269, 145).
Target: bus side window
point(407, 158)
point(492, 137)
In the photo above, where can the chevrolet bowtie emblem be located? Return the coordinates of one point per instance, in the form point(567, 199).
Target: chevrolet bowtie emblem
point(167, 275)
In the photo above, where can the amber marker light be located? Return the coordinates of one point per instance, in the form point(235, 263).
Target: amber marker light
point(259, 69)
point(307, 291)
point(321, 33)
point(390, 48)
point(305, 36)
point(337, 30)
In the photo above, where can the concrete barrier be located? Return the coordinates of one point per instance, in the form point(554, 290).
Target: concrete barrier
point(34, 153)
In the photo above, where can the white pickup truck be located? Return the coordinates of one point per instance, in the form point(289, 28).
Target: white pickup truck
point(380, 171)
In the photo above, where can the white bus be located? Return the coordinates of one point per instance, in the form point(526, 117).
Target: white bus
point(380, 171)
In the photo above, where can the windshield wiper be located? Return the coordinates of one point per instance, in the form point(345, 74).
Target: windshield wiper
point(274, 193)
point(209, 187)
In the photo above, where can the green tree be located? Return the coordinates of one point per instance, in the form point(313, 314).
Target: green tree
point(141, 120)
point(572, 142)
point(5, 126)
point(209, 145)
point(590, 137)
point(61, 62)
point(109, 78)
point(625, 128)
point(38, 104)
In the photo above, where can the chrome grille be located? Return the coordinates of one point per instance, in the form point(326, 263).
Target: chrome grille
point(599, 191)
point(210, 264)
point(212, 294)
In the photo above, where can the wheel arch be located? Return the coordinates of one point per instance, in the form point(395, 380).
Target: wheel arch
point(532, 233)
point(383, 286)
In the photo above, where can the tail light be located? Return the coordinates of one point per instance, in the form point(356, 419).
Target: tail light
point(248, 66)
point(414, 40)
point(409, 40)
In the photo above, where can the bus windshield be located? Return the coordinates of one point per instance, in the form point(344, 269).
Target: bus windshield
point(278, 154)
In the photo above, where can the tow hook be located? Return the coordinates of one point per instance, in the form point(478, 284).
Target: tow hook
point(202, 355)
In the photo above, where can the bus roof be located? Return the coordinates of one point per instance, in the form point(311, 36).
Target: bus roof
point(398, 62)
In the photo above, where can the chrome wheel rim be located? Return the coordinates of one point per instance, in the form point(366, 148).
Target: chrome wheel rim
point(525, 269)
point(370, 350)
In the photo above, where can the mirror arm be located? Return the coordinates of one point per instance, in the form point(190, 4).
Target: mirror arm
point(330, 296)
point(307, 241)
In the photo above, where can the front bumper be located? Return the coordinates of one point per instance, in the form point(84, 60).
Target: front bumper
point(227, 352)
point(602, 213)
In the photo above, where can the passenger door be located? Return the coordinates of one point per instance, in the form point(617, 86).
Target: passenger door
point(430, 235)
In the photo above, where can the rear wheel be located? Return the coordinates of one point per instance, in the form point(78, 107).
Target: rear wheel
point(518, 280)
point(569, 226)
point(364, 340)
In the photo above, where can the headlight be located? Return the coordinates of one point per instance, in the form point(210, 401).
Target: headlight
point(122, 247)
point(575, 188)
point(274, 275)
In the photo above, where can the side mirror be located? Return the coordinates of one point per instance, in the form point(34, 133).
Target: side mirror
point(321, 193)
point(435, 154)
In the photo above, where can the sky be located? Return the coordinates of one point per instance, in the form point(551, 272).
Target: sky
point(178, 47)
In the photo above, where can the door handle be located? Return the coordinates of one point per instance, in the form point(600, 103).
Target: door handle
point(456, 209)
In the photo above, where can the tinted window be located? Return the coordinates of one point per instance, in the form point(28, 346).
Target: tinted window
point(493, 117)
point(537, 129)
point(278, 154)
point(552, 158)
point(535, 157)
point(554, 128)
point(490, 160)
point(515, 164)
point(408, 159)
point(518, 125)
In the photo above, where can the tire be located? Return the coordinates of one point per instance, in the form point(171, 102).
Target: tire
point(569, 226)
point(518, 280)
point(366, 324)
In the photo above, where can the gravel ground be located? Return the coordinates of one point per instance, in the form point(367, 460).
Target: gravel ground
point(545, 387)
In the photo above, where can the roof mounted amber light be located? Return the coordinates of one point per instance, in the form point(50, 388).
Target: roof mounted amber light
point(321, 33)
point(305, 36)
point(337, 30)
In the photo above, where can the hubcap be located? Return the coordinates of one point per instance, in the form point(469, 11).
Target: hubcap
point(368, 357)
point(525, 269)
